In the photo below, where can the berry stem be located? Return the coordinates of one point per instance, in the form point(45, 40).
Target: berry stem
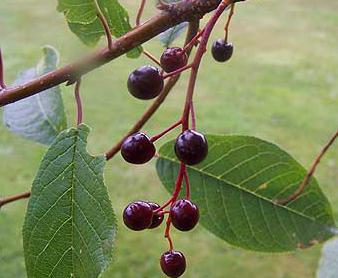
point(140, 12)
point(226, 28)
point(2, 82)
point(309, 174)
point(14, 198)
point(198, 58)
point(193, 116)
point(164, 205)
point(104, 24)
point(164, 132)
point(78, 101)
point(151, 57)
point(194, 40)
point(177, 71)
point(167, 233)
point(187, 184)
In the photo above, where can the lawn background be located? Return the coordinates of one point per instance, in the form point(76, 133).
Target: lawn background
point(281, 85)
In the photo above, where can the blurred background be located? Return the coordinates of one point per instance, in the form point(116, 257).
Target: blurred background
point(281, 85)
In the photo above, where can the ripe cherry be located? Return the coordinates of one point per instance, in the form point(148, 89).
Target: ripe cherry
point(222, 50)
point(138, 148)
point(145, 82)
point(191, 147)
point(157, 219)
point(173, 59)
point(173, 263)
point(184, 215)
point(138, 216)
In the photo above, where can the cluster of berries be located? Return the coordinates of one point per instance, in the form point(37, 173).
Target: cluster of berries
point(191, 148)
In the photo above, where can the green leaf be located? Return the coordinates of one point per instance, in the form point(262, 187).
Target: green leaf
point(70, 226)
point(83, 21)
point(328, 265)
point(235, 188)
point(170, 35)
point(40, 117)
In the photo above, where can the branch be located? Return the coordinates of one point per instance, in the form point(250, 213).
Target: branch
point(309, 175)
point(173, 15)
point(14, 198)
point(192, 31)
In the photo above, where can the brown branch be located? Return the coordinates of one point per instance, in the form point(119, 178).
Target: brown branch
point(310, 173)
point(14, 198)
point(192, 31)
point(173, 15)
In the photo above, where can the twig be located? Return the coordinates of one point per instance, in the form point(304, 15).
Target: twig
point(184, 11)
point(14, 198)
point(310, 173)
point(78, 101)
point(105, 25)
point(140, 12)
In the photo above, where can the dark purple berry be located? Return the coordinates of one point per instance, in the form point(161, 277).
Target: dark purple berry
point(157, 219)
point(184, 215)
point(138, 148)
point(221, 50)
point(173, 263)
point(173, 59)
point(191, 147)
point(145, 82)
point(138, 216)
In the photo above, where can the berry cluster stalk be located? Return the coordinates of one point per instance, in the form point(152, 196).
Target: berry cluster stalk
point(188, 107)
point(2, 81)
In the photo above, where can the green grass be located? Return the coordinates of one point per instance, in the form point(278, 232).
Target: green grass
point(281, 85)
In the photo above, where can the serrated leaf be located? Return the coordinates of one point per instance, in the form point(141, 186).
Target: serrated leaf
point(40, 117)
point(170, 35)
point(70, 226)
point(235, 187)
point(83, 21)
point(328, 265)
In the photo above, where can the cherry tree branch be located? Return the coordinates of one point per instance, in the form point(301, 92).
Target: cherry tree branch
point(309, 174)
point(14, 198)
point(171, 16)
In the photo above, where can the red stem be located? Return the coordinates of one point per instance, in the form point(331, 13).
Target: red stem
point(197, 60)
point(2, 82)
point(187, 185)
point(173, 73)
point(164, 132)
point(167, 233)
point(78, 101)
point(193, 116)
point(194, 40)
